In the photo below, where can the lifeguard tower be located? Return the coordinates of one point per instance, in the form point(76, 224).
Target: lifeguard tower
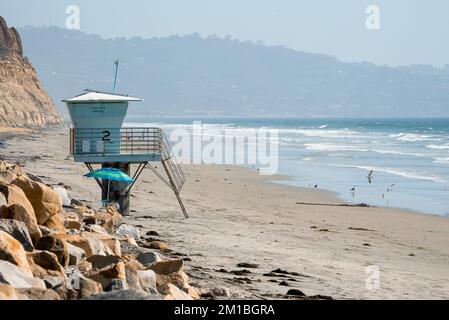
point(98, 138)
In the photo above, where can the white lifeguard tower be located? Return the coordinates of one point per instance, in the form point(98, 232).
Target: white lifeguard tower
point(98, 138)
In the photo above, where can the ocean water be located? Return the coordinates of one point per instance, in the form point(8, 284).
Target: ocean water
point(338, 154)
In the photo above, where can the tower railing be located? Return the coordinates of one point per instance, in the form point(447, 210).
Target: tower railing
point(172, 164)
point(126, 141)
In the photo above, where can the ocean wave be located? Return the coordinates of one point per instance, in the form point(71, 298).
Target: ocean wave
point(441, 160)
point(438, 147)
point(413, 137)
point(323, 126)
point(405, 174)
point(333, 147)
point(319, 133)
point(336, 147)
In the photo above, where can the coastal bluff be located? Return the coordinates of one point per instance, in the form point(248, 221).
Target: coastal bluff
point(23, 100)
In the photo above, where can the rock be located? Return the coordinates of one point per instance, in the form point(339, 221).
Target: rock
point(248, 265)
point(73, 225)
point(76, 202)
point(105, 275)
point(83, 286)
point(167, 266)
point(19, 212)
point(52, 282)
point(12, 251)
point(147, 279)
point(47, 261)
point(46, 203)
point(7, 292)
point(158, 245)
point(127, 248)
point(148, 258)
point(34, 177)
point(19, 231)
point(296, 292)
point(113, 245)
point(3, 201)
point(91, 245)
point(76, 254)
point(130, 231)
point(38, 294)
point(97, 229)
point(47, 231)
point(129, 294)
point(90, 221)
point(100, 262)
point(152, 233)
point(15, 196)
point(132, 241)
point(171, 292)
point(84, 266)
point(59, 247)
point(17, 278)
point(63, 194)
point(7, 176)
point(116, 284)
point(220, 292)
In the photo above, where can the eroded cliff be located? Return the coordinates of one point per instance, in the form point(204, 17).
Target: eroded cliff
point(23, 100)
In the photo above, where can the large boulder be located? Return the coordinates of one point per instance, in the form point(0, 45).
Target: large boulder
point(17, 278)
point(46, 202)
point(76, 254)
point(15, 195)
point(20, 212)
point(167, 266)
point(7, 292)
point(106, 275)
point(12, 251)
point(7, 176)
point(57, 246)
point(128, 230)
point(171, 292)
point(89, 243)
point(83, 286)
point(19, 231)
point(37, 294)
point(129, 294)
point(148, 258)
point(172, 272)
point(47, 261)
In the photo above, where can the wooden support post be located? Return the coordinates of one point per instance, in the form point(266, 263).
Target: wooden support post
point(175, 189)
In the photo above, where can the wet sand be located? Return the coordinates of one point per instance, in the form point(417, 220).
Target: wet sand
point(237, 216)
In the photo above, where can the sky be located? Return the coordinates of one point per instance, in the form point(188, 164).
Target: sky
point(410, 31)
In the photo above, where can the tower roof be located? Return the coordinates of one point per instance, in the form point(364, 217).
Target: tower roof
point(98, 96)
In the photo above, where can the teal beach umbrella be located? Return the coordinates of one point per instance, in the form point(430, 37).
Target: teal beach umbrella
point(110, 174)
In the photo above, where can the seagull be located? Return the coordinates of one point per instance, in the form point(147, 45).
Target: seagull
point(370, 176)
point(390, 188)
point(353, 188)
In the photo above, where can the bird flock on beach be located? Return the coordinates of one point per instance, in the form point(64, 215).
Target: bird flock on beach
point(370, 178)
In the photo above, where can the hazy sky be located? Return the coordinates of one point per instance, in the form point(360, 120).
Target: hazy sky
point(411, 31)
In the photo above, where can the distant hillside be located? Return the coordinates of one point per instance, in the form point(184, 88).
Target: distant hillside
point(191, 75)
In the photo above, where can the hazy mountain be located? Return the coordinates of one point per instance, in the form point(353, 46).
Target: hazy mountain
point(190, 75)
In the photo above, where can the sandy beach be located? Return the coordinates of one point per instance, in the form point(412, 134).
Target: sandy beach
point(238, 216)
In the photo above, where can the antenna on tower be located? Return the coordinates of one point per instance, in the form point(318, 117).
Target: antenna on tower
point(116, 63)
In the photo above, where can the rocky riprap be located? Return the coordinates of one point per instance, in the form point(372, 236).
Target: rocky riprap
point(23, 100)
point(53, 247)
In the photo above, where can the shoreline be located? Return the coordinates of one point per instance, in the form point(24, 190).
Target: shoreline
point(238, 216)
